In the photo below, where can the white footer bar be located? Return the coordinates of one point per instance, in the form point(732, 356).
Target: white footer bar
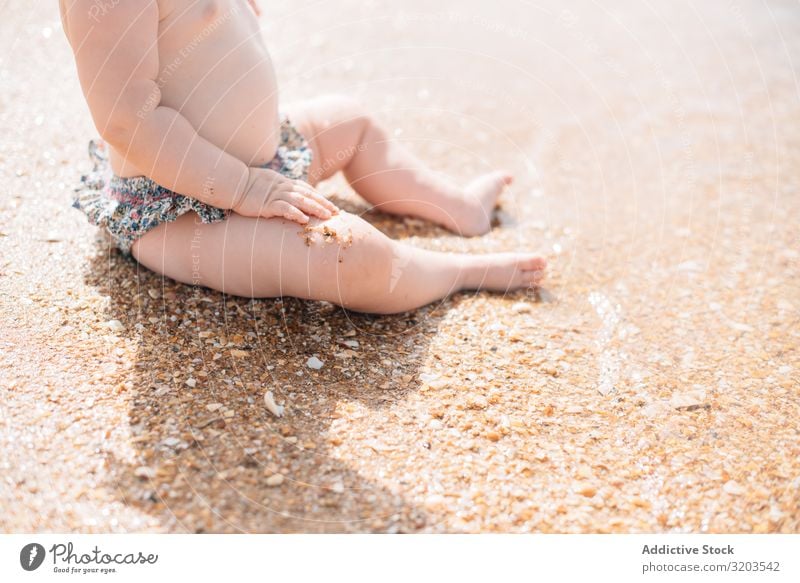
point(407, 558)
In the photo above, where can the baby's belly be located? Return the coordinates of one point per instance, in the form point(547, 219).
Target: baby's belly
point(215, 71)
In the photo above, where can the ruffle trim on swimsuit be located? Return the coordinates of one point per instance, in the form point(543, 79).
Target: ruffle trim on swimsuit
point(129, 207)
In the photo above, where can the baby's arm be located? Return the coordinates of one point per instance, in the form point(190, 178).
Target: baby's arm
point(117, 59)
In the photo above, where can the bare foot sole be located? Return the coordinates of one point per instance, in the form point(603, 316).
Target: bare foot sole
point(475, 215)
point(503, 272)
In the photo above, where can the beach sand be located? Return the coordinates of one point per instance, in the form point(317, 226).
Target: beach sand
point(653, 385)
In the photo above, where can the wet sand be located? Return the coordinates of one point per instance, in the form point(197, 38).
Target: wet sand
point(652, 386)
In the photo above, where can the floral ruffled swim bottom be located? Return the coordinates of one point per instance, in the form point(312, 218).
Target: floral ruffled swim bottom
point(130, 207)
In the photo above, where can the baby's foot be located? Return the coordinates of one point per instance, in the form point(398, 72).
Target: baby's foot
point(504, 272)
point(475, 215)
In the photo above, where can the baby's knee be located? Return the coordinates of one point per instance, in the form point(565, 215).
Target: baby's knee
point(359, 257)
point(337, 231)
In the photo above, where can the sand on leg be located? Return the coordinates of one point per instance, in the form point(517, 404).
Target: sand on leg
point(357, 266)
point(344, 137)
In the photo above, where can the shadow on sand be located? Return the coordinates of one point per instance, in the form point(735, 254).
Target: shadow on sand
point(207, 448)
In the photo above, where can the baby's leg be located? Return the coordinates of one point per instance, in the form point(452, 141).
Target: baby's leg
point(344, 137)
point(351, 263)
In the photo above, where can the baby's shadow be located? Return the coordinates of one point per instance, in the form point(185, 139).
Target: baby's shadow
point(209, 456)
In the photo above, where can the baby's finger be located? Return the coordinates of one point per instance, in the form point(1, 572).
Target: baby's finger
point(281, 208)
point(312, 192)
point(308, 205)
point(325, 202)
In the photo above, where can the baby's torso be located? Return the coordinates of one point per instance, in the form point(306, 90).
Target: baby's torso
point(215, 70)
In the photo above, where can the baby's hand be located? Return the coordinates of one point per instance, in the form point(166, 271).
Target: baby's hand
point(271, 194)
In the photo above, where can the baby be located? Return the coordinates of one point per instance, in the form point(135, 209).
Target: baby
point(208, 181)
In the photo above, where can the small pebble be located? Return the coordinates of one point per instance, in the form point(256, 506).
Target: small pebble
point(272, 406)
point(115, 326)
point(144, 472)
point(314, 363)
point(521, 308)
point(688, 400)
point(275, 480)
point(733, 487)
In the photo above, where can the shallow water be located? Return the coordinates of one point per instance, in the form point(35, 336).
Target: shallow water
point(656, 389)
